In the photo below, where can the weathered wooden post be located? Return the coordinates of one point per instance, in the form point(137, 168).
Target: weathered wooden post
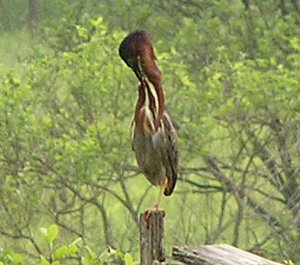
point(152, 237)
point(153, 249)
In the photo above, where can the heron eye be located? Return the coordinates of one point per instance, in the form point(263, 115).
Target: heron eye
point(130, 61)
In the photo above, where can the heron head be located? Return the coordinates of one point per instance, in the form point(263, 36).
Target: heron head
point(129, 51)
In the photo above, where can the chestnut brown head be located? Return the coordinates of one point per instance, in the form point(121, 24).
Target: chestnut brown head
point(130, 49)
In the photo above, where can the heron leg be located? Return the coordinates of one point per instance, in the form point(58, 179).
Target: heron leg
point(156, 206)
point(160, 195)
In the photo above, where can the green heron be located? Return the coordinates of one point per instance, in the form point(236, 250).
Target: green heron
point(154, 137)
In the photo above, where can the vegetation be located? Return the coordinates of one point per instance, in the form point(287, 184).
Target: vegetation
point(70, 190)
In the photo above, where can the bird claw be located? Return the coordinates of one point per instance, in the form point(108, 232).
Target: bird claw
point(154, 209)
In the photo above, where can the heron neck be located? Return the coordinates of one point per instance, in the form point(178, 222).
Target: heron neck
point(141, 100)
point(149, 106)
point(161, 102)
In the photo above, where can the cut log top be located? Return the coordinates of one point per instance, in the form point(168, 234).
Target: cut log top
point(218, 255)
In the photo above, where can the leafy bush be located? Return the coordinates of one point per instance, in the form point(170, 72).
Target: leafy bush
point(64, 254)
point(231, 83)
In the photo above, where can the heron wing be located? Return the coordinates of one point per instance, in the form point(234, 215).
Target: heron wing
point(170, 153)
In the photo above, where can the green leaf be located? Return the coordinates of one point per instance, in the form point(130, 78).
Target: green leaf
point(90, 258)
point(44, 261)
point(82, 32)
point(91, 253)
point(44, 232)
point(104, 256)
point(52, 232)
point(61, 252)
point(72, 249)
point(14, 257)
point(76, 241)
point(295, 42)
point(128, 259)
point(97, 22)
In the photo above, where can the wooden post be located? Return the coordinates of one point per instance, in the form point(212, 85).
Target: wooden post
point(152, 237)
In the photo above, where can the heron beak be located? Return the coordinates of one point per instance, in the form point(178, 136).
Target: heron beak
point(139, 75)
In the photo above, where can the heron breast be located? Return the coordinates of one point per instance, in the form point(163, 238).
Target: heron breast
point(149, 158)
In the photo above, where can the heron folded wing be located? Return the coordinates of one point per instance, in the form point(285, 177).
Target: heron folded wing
point(171, 161)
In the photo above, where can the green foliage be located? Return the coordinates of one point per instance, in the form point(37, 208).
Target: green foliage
point(231, 79)
point(50, 234)
point(10, 257)
point(63, 254)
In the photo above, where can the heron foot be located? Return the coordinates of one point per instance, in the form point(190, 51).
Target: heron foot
point(156, 207)
point(153, 210)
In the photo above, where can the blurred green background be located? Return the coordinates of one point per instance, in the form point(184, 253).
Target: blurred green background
point(70, 189)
